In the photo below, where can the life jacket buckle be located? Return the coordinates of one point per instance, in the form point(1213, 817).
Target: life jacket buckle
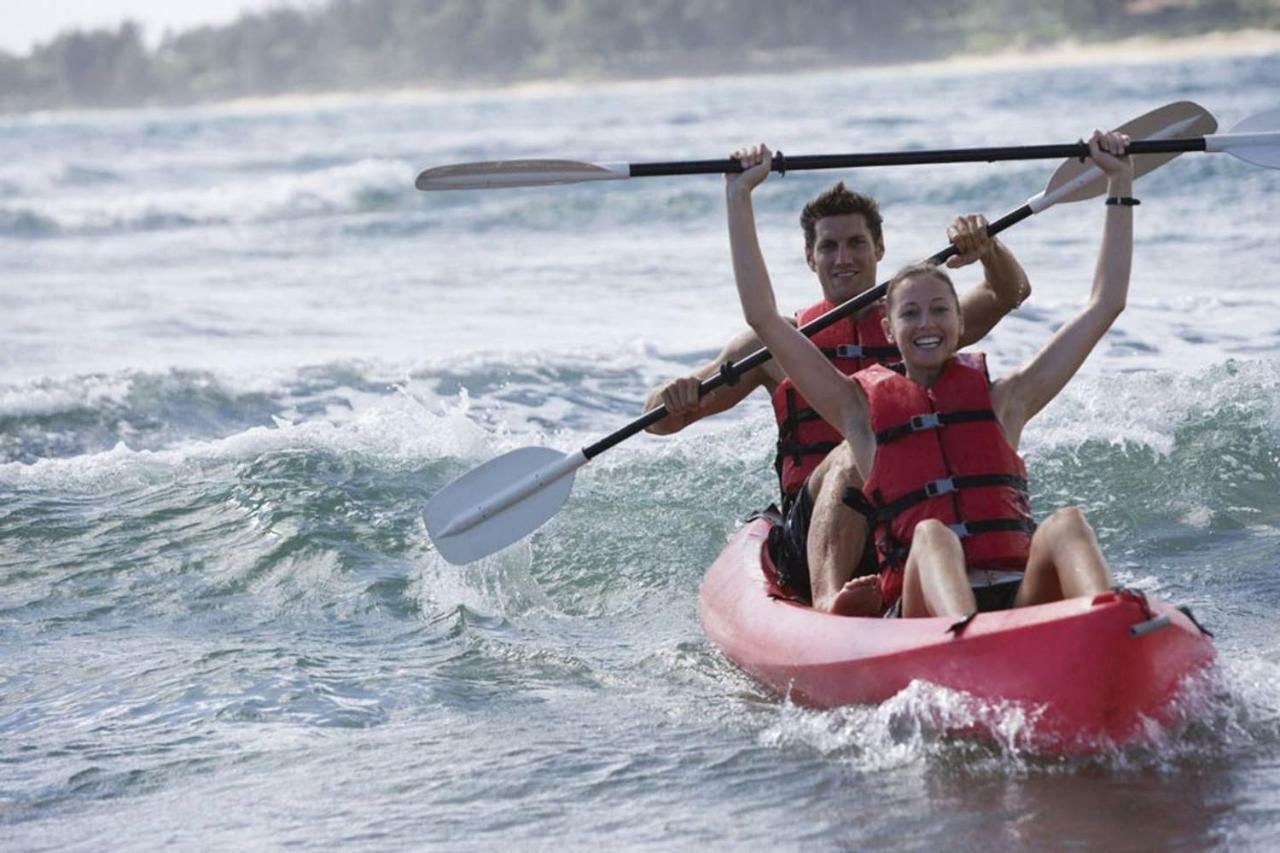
point(960, 529)
point(848, 351)
point(925, 421)
point(940, 487)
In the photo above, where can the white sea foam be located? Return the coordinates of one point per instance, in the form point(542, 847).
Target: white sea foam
point(48, 397)
point(395, 430)
point(242, 199)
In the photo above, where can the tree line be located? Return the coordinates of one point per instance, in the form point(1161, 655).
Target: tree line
point(364, 44)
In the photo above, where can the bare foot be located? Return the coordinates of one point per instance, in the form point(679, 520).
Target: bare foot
point(859, 597)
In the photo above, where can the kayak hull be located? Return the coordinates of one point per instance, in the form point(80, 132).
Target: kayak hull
point(1091, 671)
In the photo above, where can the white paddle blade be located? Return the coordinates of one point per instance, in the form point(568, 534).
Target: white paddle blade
point(1077, 181)
point(496, 174)
point(501, 502)
point(1255, 140)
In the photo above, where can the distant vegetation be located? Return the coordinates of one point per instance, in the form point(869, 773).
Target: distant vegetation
point(363, 44)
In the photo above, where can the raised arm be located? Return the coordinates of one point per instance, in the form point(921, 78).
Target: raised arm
point(1023, 393)
point(830, 392)
point(1004, 286)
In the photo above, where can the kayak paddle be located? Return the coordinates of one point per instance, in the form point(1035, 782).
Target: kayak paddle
point(1255, 140)
point(509, 497)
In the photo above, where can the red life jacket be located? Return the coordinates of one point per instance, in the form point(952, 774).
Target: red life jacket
point(804, 438)
point(941, 453)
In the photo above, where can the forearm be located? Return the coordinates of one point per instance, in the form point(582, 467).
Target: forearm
point(1004, 288)
point(755, 291)
point(723, 398)
point(1115, 257)
point(1049, 371)
point(1004, 277)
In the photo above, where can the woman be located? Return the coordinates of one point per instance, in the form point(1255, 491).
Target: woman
point(936, 446)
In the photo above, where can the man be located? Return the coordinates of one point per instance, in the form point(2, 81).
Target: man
point(822, 542)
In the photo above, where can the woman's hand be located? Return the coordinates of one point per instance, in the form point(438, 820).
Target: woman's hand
point(756, 162)
point(1108, 151)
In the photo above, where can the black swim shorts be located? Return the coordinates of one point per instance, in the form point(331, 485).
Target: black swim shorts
point(990, 598)
point(788, 546)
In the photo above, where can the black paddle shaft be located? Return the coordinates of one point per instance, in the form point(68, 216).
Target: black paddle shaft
point(729, 372)
point(782, 165)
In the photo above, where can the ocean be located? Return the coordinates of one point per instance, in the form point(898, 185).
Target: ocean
point(239, 351)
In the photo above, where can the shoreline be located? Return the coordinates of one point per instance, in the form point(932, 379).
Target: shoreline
point(1138, 50)
point(1065, 54)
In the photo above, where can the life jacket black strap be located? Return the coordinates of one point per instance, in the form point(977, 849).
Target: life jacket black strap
point(932, 420)
point(893, 554)
point(857, 501)
point(858, 351)
point(796, 450)
point(946, 485)
point(994, 525)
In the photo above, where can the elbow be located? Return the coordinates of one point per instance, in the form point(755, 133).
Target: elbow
point(759, 319)
point(1109, 308)
point(1023, 294)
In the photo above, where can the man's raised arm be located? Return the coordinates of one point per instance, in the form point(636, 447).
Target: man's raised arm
point(1004, 286)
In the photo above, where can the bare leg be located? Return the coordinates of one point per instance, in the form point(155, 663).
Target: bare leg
point(935, 582)
point(1065, 561)
point(837, 536)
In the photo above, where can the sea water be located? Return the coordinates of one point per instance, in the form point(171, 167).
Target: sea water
point(238, 352)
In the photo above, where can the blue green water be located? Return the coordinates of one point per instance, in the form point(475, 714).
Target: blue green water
point(238, 351)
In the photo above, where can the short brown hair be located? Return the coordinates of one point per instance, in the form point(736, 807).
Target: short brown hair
point(922, 269)
point(840, 201)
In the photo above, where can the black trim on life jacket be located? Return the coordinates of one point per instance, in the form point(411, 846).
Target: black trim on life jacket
point(946, 486)
point(933, 420)
point(880, 354)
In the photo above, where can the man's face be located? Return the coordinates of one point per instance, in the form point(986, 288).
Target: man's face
point(844, 256)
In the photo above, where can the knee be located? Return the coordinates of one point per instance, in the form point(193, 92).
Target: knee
point(1069, 518)
point(932, 533)
point(836, 472)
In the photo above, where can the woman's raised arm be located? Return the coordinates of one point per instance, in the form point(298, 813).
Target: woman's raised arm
point(1024, 392)
point(837, 399)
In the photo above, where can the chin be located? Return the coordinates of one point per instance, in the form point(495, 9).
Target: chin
point(930, 358)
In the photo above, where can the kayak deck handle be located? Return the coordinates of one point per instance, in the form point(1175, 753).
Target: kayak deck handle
point(1143, 628)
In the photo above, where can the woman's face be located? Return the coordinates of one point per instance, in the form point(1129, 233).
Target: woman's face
point(923, 319)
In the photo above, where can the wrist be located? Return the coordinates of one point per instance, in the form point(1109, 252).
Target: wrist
point(1120, 185)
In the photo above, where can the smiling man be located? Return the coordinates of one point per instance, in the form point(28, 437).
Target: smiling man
point(820, 549)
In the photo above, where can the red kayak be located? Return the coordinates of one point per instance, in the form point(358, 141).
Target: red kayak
point(1092, 672)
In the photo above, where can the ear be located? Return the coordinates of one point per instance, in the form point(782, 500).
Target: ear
point(808, 259)
point(887, 326)
point(880, 250)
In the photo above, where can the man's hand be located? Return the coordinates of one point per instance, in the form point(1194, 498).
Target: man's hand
point(680, 396)
point(969, 235)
